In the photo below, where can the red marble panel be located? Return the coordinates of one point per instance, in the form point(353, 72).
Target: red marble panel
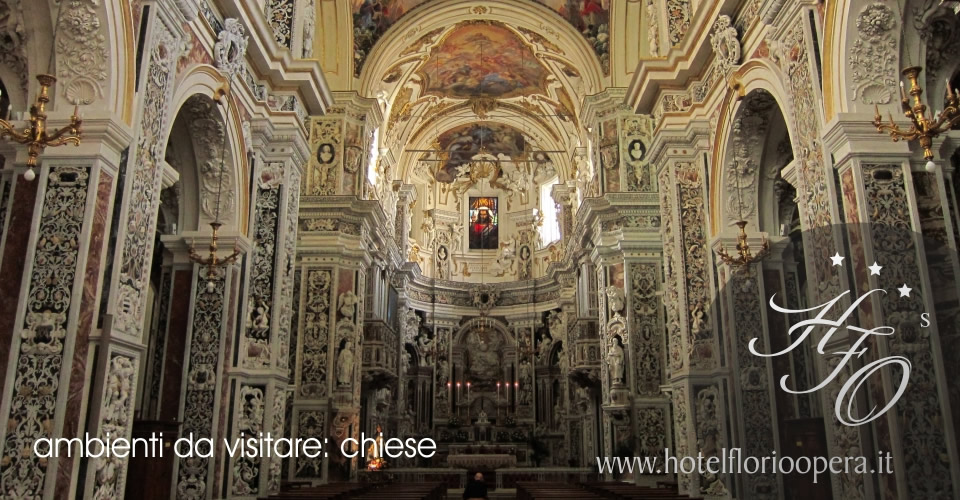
point(176, 344)
point(14, 262)
point(78, 368)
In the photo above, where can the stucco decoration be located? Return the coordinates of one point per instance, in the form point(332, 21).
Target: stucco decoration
point(726, 44)
point(229, 53)
point(873, 57)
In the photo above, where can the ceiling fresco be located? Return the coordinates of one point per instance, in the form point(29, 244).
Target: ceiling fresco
point(372, 18)
point(481, 59)
point(461, 144)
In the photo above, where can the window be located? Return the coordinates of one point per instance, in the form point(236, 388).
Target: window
point(484, 222)
point(550, 229)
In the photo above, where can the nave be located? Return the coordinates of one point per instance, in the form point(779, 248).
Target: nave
point(522, 237)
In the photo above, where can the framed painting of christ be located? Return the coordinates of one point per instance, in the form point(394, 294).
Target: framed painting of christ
point(484, 223)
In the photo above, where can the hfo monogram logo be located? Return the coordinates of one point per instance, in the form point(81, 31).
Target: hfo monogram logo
point(845, 406)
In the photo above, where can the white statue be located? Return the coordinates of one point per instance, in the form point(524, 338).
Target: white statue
point(348, 304)
point(345, 365)
point(615, 361)
point(456, 229)
point(525, 371)
point(545, 345)
point(423, 345)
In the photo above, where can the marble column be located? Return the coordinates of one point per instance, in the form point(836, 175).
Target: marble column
point(336, 235)
point(259, 382)
point(889, 201)
point(55, 236)
point(694, 369)
point(743, 307)
point(208, 349)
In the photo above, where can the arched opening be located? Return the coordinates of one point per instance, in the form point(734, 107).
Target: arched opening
point(760, 160)
point(196, 150)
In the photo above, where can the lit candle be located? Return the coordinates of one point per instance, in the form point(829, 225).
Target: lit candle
point(468, 392)
point(498, 396)
point(459, 394)
point(449, 390)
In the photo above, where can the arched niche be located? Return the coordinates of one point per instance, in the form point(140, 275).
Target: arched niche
point(195, 147)
point(754, 134)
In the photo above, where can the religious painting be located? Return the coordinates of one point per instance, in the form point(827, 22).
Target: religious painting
point(484, 223)
point(371, 19)
point(483, 59)
point(592, 19)
point(461, 144)
point(482, 357)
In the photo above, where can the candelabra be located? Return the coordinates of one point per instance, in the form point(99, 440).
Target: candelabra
point(922, 128)
point(744, 255)
point(36, 136)
point(213, 261)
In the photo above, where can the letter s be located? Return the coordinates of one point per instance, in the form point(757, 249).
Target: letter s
point(924, 320)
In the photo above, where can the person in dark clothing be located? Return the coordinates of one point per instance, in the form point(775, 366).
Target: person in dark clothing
point(476, 488)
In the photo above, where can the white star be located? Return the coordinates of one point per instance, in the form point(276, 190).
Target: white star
point(904, 290)
point(875, 268)
point(837, 259)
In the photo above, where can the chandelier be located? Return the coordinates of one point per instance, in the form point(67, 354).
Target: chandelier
point(213, 261)
point(36, 137)
point(922, 128)
point(743, 256)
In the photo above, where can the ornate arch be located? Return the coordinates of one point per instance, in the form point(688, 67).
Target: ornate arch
point(753, 79)
point(421, 28)
point(395, 73)
point(206, 120)
point(864, 52)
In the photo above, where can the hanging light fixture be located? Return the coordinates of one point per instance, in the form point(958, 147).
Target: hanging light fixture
point(923, 129)
point(744, 255)
point(36, 137)
point(213, 261)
